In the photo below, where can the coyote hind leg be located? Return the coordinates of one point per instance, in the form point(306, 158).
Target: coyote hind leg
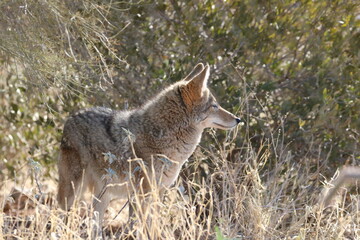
point(71, 178)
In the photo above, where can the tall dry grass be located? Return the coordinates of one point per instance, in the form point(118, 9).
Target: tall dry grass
point(240, 198)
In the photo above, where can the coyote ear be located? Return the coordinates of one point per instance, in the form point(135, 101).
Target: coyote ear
point(199, 82)
point(193, 90)
point(197, 69)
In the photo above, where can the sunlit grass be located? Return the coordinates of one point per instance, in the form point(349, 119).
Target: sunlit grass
point(238, 200)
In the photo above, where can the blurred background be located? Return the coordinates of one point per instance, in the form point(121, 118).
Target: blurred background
point(289, 69)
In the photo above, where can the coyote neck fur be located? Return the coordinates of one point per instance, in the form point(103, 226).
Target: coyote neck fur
point(173, 134)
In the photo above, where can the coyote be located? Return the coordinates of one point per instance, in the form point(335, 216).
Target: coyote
point(164, 132)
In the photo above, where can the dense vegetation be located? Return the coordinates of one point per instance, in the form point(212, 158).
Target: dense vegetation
point(289, 69)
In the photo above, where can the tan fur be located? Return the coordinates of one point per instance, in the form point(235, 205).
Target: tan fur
point(345, 175)
point(169, 125)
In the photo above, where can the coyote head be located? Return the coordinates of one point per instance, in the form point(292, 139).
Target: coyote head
point(201, 104)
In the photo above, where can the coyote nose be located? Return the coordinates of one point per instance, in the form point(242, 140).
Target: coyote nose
point(238, 120)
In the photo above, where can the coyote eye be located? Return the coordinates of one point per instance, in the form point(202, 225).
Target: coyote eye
point(215, 106)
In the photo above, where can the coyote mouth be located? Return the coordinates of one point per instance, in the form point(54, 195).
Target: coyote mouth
point(221, 126)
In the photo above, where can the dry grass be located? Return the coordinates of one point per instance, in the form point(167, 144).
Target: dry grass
point(239, 199)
